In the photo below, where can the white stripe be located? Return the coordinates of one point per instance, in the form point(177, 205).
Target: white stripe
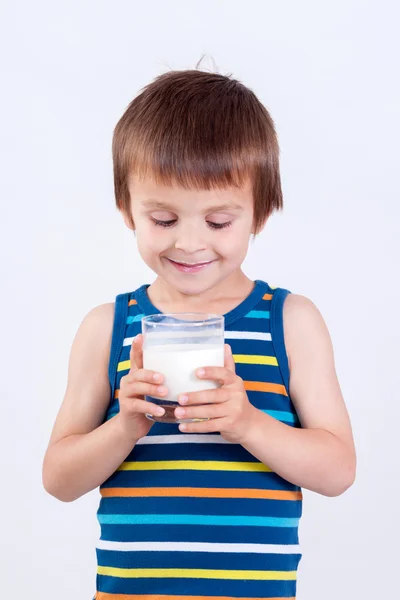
point(248, 335)
point(229, 335)
point(191, 438)
point(197, 547)
point(179, 334)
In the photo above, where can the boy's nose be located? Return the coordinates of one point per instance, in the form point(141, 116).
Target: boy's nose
point(190, 243)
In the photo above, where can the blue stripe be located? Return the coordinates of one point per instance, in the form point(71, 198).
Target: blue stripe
point(206, 479)
point(254, 372)
point(134, 319)
point(251, 325)
point(164, 429)
point(197, 520)
point(281, 415)
point(166, 505)
point(197, 560)
point(246, 346)
point(198, 587)
point(224, 452)
point(265, 373)
point(273, 402)
point(187, 533)
point(258, 314)
point(132, 330)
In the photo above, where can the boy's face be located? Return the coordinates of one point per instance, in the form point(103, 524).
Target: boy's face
point(208, 231)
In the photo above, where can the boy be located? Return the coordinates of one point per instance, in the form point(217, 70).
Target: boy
point(210, 508)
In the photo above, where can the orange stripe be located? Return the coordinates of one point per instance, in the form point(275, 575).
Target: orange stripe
point(261, 386)
point(267, 297)
point(200, 493)
point(132, 302)
point(106, 596)
point(254, 386)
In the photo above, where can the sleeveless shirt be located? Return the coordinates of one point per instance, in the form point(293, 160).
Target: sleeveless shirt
point(192, 516)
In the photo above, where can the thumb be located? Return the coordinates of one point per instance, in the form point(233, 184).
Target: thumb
point(229, 362)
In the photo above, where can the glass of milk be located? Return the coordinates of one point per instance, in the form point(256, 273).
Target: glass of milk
point(176, 344)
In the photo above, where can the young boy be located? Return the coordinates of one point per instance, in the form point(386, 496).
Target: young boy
point(206, 509)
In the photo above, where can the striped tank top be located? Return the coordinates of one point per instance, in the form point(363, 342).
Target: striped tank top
point(193, 516)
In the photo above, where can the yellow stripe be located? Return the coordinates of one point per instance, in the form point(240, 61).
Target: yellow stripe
point(125, 365)
point(198, 574)
point(253, 359)
point(249, 359)
point(196, 465)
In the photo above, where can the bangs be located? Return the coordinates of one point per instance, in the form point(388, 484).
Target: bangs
point(190, 165)
point(196, 153)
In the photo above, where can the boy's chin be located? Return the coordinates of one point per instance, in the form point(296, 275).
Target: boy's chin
point(191, 287)
point(190, 284)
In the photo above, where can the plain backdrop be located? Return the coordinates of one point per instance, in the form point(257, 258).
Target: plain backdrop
point(328, 73)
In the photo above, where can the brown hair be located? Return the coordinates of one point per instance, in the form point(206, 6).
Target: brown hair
point(198, 130)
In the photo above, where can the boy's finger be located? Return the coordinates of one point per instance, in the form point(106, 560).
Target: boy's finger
point(213, 396)
point(228, 358)
point(136, 355)
point(221, 374)
point(142, 406)
point(141, 388)
point(209, 426)
point(146, 375)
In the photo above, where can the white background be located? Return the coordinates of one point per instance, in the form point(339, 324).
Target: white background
point(328, 73)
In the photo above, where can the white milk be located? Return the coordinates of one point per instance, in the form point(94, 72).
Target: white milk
point(178, 362)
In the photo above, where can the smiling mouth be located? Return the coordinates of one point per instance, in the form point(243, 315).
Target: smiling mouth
point(185, 267)
point(188, 264)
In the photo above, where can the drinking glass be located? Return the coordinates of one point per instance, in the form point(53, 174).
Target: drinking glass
point(176, 344)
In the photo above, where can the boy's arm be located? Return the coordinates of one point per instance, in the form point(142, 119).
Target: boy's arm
point(83, 452)
point(320, 456)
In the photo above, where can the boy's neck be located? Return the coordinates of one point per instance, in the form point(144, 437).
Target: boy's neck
point(219, 299)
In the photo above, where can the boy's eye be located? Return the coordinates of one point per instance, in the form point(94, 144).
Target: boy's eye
point(219, 225)
point(172, 221)
point(163, 223)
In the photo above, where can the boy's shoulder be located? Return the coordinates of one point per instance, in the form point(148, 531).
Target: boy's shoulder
point(304, 325)
point(300, 312)
point(296, 304)
point(98, 322)
point(101, 313)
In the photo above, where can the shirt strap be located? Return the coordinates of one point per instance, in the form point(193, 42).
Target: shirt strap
point(117, 340)
point(277, 333)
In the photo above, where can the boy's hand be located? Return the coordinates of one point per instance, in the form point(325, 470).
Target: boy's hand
point(228, 408)
point(138, 383)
